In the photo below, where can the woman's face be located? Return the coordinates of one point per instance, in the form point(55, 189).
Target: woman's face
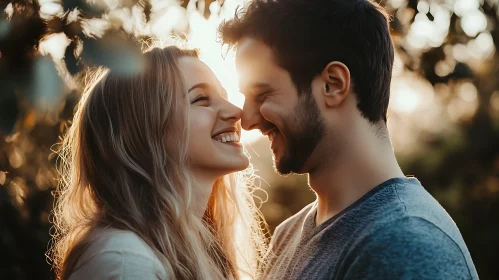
point(214, 126)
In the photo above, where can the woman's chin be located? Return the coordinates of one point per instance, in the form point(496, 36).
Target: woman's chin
point(234, 164)
point(220, 163)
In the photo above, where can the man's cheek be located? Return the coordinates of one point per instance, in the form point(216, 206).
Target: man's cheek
point(272, 116)
point(267, 111)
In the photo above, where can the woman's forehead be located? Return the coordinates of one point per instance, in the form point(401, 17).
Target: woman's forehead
point(197, 72)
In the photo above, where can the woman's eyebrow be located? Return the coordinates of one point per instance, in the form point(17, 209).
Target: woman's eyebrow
point(199, 85)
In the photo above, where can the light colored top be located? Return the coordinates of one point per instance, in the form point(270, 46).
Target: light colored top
point(118, 255)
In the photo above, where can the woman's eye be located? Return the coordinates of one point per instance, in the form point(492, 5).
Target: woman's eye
point(199, 99)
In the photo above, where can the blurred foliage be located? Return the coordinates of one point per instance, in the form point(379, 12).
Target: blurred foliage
point(446, 133)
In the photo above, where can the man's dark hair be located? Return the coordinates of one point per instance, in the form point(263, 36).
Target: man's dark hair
point(305, 35)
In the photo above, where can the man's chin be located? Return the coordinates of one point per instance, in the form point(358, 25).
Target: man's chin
point(285, 165)
point(278, 167)
point(281, 170)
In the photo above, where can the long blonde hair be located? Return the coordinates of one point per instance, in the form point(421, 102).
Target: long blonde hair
point(123, 163)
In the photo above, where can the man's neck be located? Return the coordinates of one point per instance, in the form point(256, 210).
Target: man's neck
point(354, 171)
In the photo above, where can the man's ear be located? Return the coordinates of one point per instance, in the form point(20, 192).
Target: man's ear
point(336, 83)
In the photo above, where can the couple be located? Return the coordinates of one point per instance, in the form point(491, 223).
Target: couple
point(152, 188)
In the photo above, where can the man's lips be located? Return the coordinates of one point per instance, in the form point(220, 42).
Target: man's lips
point(268, 129)
point(273, 135)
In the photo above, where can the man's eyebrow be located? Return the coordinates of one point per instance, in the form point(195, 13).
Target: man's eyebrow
point(199, 85)
point(254, 87)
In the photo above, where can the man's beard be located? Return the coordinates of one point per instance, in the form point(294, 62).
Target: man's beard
point(301, 140)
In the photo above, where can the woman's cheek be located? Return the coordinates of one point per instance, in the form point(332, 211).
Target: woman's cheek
point(201, 123)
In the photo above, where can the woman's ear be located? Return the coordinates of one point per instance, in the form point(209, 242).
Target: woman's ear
point(336, 83)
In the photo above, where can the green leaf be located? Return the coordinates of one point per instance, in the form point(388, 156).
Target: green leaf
point(46, 86)
point(72, 29)
point(88, 9)
point(115, 51)
point(146, 4)
point(128, 3)
point(4, 28)
point(70, 4)
point(70, 58)
point(9, 109)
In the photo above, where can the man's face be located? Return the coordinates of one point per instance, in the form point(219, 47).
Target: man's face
point(291, 121)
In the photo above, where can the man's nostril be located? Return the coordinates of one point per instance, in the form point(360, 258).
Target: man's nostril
point(252, 127)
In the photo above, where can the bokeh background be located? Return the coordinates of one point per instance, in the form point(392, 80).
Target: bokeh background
point(443, 116)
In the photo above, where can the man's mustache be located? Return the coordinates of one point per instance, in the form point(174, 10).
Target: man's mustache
point(266, 126)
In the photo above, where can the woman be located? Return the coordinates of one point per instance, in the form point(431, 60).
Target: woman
point(148, 189)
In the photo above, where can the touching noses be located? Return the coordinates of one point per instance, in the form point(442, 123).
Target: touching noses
point(251, 116)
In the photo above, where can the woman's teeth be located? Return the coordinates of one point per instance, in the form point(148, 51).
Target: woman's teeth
point(227, 137)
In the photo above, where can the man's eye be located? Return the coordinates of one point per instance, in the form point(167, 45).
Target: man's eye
point(263, 95)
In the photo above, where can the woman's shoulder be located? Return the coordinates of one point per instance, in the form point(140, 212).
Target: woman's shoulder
point(117, 253)
point(111, 239)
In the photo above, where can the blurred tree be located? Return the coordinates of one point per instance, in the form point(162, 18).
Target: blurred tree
point(466, 177)
point(448, 45)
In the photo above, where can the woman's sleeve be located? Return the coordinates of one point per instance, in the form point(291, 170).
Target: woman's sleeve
point(118, 265)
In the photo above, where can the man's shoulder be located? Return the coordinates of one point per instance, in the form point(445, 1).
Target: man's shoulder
point(419, 220)
point(407, 230)
point(421, 209)
point(286, 235)
point(411, 243)
point(294, 222)
point(408, 202)
point(288, 230)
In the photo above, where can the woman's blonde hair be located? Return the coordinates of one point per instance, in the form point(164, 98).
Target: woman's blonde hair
point(124, 164)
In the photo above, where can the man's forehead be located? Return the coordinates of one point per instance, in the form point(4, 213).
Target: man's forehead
point(254, 78)
point(254, 63)
point(250, 50)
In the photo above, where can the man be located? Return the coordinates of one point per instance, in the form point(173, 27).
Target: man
point(316, 75)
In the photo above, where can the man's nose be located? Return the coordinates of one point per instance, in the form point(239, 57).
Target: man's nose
point(251, 116)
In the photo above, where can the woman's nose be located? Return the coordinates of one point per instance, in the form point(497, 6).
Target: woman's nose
point(230, 111)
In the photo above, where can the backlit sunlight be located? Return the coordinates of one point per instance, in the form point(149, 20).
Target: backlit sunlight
point(408, 95)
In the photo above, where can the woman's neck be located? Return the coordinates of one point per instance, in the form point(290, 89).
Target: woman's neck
point(202, 188)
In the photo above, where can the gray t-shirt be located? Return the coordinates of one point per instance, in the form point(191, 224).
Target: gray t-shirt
point(395, 231)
